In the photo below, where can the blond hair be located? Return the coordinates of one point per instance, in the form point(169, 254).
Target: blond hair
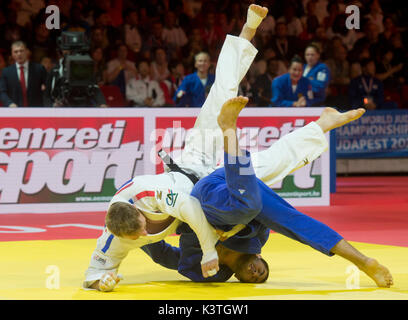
point(202, 53)
point(18, 43)
point(122, 219)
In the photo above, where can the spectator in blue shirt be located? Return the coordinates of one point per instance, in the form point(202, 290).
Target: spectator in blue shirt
point(317, 72)
point(292, 89)
point(367, 91)
point(195, 87)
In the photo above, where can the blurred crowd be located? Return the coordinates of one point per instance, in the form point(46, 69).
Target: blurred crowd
point(164, 52)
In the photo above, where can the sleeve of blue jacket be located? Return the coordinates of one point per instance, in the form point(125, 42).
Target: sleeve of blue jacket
point(184, 86)
point(190, 258)
point(163, 254)
point(321, 78)
point(279, 98)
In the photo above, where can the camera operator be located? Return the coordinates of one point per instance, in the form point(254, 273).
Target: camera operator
point(60, 91)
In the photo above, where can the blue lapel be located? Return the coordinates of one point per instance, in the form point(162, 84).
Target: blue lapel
point(311, 69)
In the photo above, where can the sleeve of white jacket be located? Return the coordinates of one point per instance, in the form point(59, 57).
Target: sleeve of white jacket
point(188, 209)
point(159, 101)
point(192, 213)
point(107, 257)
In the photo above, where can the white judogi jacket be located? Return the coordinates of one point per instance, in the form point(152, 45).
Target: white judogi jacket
point(159, 197)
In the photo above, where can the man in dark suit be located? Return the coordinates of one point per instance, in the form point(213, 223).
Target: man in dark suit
point(22, 84)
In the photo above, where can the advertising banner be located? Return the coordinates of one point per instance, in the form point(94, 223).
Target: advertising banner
point(258, 129)
point(65, 159)
point(377, 134)
point(74, 159)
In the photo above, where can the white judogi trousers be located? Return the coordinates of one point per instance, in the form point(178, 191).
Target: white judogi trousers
point(204, 145)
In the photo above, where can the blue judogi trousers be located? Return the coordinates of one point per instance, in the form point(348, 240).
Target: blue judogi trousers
point(233, 195)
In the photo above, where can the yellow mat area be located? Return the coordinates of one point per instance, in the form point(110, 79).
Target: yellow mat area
point(48, 270)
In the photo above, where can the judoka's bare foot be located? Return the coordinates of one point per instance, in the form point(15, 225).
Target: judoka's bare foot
point(254, 19)
point(260, 11)
point(331, 118)
point(229, 113)
point(380, 274)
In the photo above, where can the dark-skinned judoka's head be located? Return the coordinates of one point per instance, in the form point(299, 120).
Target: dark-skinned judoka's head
point(251, 268)
point(125, 221)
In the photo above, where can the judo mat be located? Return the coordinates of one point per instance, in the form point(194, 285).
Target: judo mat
point(46, 256)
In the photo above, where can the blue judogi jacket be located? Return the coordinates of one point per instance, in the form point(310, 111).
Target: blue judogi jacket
point(283, 95)
point(319, 77)
point(224, 207)
point(195, 92)
point(187, 257)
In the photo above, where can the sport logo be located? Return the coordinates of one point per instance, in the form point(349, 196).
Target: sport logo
point(171, 198)
point(66, 162)
point(100, 259)
point(62, 138)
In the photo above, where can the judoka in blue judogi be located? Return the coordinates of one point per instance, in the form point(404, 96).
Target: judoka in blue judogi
point(292, 89)
point(283, 94)
point(319, 77)
point(229, 198)
point(317, 72)
point(195, 87)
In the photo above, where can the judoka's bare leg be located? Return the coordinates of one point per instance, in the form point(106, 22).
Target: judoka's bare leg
point(249, 30)
point(227, 120)
point(380, 274)
point(234, 56)
point(204, 142)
